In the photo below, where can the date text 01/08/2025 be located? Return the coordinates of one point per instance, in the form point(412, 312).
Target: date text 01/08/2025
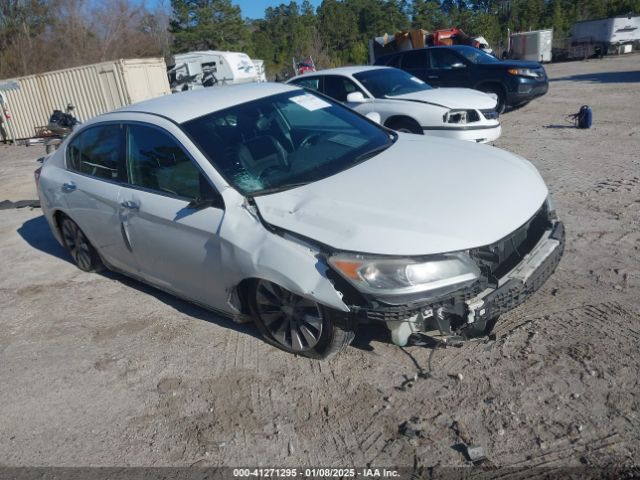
point(315, 472)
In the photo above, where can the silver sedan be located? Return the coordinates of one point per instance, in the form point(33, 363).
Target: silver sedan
point(271, 203)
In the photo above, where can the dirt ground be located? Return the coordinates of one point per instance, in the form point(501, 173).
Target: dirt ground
point(100, 370)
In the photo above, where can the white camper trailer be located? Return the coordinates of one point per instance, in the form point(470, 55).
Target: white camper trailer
point(607, 32)
point(260, 70)
point(534, 46)
point(211, 68)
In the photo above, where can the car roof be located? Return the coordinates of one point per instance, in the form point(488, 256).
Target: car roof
point(184, 106)
point(341, 71)
point(434, 47)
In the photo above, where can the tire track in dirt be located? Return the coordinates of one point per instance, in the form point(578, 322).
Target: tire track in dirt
point(520, 340)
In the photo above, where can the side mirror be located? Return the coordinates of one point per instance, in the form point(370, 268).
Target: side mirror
point(200, 203)
point(458, 65)
point(356, 97)
point(208, 197)
point(374, 117)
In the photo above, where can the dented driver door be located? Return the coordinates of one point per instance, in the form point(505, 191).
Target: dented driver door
point(171, 216)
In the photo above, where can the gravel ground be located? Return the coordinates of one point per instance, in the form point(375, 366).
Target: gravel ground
point(102, 370)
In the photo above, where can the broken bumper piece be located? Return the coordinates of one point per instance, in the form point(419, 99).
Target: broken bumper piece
point(469, 313)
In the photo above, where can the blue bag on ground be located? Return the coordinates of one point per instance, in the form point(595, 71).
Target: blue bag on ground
point(584, 117)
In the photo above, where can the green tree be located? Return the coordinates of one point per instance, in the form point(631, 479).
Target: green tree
point(346, 26)
point(21, 23)
point(427, 14)
point(207, 25)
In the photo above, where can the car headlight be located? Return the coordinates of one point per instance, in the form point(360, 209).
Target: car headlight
point(551, 208)
point(461, 116)
point(523, 72)
point(438, 275)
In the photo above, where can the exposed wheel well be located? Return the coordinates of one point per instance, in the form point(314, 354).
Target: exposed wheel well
point(242, 290)
point(401, 118)
point(497, 85)
point(58, 216)
point(500, 90)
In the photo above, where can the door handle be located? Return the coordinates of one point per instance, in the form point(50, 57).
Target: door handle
point(130, 205)
point(432, 77)
point(68, 187)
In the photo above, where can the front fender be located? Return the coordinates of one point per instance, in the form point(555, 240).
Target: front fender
point(251, 250)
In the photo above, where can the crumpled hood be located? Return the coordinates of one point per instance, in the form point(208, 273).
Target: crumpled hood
point(420, 196)
point(451, 98)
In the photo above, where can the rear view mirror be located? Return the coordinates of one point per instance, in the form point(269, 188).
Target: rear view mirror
point(355, 97)
point(374, 117)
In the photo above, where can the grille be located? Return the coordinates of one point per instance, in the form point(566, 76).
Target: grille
point(490, 114)
point(499, 258)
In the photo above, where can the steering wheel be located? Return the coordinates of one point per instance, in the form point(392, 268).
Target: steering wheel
point(307, 141)
point(396, 88)
point(267, 172)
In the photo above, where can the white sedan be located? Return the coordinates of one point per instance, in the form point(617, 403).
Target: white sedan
point(270, 202)
point(407, 104)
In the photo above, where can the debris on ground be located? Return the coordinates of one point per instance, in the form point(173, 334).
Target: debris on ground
point(8, 204)
point(411, 428)
point(475, 453)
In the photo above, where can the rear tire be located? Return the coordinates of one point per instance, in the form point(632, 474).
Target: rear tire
point(405, 125)
point(77, 244)
point(501, 106)
point(298, 325)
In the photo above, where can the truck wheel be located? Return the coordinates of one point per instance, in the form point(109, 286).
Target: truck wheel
point(499, 91)
point(405, 125)
point(299, 325)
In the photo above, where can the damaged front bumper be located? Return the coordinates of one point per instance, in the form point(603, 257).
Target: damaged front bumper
point(468, 313)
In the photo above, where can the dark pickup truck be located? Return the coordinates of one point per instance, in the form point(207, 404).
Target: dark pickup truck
point(514, 82)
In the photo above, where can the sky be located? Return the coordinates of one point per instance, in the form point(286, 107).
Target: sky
point(256, 8)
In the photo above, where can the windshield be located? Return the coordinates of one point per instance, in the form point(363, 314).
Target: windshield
point(477, 56)
point(389, 82)
point(285, 140)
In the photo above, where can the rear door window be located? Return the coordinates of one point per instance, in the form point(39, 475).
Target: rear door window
point(338, 87)
point(394, 61)
point(314, 83)
point(414, 59)
point(443, 59)
point(99, 152)
point(156, 161)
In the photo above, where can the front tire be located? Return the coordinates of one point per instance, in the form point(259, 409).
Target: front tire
point(298, 325)
point(501, 106)
point(77, 244)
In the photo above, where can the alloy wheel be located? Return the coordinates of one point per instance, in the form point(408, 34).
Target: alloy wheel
point(77, 244)
point(293, 321)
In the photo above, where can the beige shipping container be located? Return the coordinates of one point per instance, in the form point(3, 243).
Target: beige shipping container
point(92, 89)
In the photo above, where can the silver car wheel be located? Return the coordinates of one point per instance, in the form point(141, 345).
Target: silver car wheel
point(77, 244)
point(293, 321)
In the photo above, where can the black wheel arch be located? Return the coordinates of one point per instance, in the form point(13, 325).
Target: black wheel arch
point(492, 84)
point(401, 118)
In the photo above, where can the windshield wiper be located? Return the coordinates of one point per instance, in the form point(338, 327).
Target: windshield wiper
point(279, 188)
point(374, 151)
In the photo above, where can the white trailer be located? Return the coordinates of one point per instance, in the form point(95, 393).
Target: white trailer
point(92, 89)
point(607, 31)
point(212, 68)
point(260, 69)
point(534, 45)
